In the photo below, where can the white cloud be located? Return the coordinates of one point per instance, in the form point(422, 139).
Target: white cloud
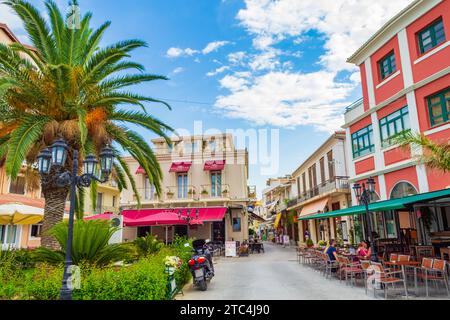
point(346, 24)
point(178, 52)
point(286, 99)
point(218, 71)
point(178, 70)
point(236, 57)
point(276, 94)
point(9, 18)
point(214, 46)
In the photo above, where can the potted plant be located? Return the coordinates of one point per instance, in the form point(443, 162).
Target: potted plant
point(309, 243)
point(191, 192)
point(225, 192)
point(170, 194)
point(322, 244)
point(204, 192)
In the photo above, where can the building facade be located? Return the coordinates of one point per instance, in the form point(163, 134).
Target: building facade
point(405, 75)
point(199, 172)
point(320, 184)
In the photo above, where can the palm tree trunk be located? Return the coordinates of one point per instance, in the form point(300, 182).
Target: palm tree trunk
point(55, 203)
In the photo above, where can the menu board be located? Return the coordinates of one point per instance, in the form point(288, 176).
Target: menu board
point(230, 249)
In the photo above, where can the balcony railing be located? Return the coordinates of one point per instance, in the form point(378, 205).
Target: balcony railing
point(105, 209)
point(339, 183)
point(219, 191)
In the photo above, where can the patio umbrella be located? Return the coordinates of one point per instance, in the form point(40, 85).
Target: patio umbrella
point(19, 214)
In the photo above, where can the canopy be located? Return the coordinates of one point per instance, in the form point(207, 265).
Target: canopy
point(19, 214)
point(140, 170)
point(314, 208)
point(154, 217)
point(216, 165)
point(180, 167)
point(394, 204)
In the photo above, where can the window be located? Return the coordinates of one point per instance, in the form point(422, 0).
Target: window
point(431, 36)
point(439, 107)
point(182, 185)
point(387, 65)
point(322, 171)
point(17, 186)
point(212, 146)
point(331, 171)
point(99, 204)
point(216, 184)
point(403, 189)
point(362, 142)
point(114, 201)
point(149, 190)
point(236, 224)
point(35, 231)
point(393, 125)
point(304, 182)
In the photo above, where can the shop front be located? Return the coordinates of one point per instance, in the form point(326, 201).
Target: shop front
point(398, 225)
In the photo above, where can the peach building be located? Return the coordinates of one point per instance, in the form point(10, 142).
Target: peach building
point(204, 173)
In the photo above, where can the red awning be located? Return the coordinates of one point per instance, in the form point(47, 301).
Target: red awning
point(162, 217)
point(104, 216)
point(140, 170)
point(215, 165)
point(180, 167)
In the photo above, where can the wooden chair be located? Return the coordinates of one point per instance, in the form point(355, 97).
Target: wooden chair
point(434, 270)
point(349, 268)
point(393, 257)
point(404, 258)
point(365, 266)
point(330, 265)
point(384, 278)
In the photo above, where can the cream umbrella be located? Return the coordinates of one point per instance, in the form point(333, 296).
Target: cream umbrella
point(20, 214)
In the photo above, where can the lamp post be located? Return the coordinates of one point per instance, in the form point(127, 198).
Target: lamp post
point(364, 195)
point(188, 217)
point(56, 156)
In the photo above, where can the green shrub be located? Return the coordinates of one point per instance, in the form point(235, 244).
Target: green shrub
point(148, 245)
point(43, 284)
point(90, 245)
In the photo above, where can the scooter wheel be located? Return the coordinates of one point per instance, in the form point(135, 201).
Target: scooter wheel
point(203, 285)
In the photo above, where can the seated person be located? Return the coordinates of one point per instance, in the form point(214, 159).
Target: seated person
point(364, 251)
point(243, 249)
point(332, 251)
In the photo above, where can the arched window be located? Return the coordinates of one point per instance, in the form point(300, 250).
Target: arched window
point(403, 189)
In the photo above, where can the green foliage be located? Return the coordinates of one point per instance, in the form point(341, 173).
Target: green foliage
point(322, 243)
point(309, 243)
point(90, 244)
point(144, 280)
point(436, 155)
point(148, 245)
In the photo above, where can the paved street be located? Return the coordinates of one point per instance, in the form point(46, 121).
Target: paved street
point(275, 275)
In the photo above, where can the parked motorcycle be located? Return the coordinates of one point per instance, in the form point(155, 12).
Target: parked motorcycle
point(201, 264)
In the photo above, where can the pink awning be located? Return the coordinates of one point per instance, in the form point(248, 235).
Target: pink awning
point(140, 170)
point(180, 167)
point(216, 165)
point(104, 216)
point(161, 217)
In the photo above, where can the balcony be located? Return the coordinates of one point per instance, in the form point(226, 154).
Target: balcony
point(354, 111)
point(338, 184)
point(219, 192)
point(105, 209)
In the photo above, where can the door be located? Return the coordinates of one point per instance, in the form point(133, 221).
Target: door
point(181, 231)
point(99, 205)
point(216, 184)
point(218, 232)
point(182, 186)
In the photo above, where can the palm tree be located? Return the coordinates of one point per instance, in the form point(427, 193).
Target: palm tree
point(436, 155)
point(71, 88)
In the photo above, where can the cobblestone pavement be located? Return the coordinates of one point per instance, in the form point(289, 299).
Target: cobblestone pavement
point(275, 275)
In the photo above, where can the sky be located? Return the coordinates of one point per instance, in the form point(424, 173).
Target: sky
point(271, 67)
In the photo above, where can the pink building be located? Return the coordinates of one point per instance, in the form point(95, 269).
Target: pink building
point(405, 73)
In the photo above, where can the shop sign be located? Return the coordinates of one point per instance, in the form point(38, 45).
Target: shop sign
point(230, 249)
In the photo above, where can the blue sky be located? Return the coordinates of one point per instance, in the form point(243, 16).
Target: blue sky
point(247, 64)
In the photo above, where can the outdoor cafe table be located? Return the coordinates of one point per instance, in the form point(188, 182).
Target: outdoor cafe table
point(404, 265)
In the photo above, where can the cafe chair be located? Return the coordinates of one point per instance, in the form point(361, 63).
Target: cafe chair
point(384, 279)
point(349, 268)
point(365, 266)
point(434, 270)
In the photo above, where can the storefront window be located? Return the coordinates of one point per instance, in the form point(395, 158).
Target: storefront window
point(236, 224)
point(391, 230)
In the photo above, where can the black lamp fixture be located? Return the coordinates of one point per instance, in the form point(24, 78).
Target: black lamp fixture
point(364, 195)
point(56, 156)
point(189, 216)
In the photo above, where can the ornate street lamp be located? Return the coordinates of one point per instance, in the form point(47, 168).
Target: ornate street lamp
point(189, 217)
point(364, 195)
point(57, 157)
